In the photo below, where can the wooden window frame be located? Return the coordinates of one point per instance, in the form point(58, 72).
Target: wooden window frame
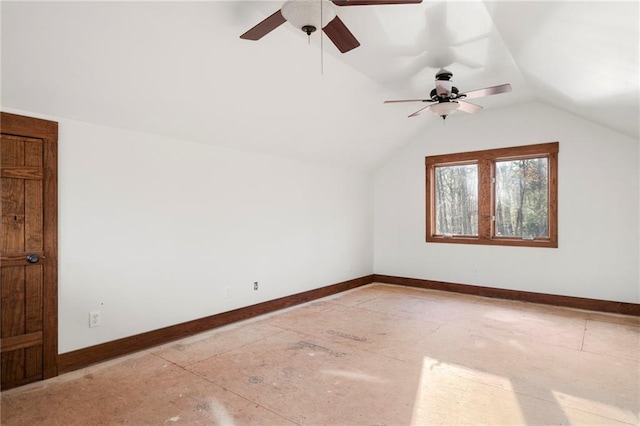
point(486, 160)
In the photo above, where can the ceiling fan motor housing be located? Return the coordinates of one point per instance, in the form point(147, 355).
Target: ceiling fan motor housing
point(444, 92)
point(444, 86)
point(444, 75)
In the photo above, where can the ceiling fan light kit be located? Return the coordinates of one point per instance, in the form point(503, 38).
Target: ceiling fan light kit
point(308, 15)
point(444, 109)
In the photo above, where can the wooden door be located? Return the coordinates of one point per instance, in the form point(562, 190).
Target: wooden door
point(28, 263)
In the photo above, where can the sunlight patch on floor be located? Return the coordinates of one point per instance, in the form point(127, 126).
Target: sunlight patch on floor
point(448, 393)
point(573, 405)
point(511, 316)
point(219, 413)
point(354, 375)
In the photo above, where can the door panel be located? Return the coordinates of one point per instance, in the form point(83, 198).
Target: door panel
point(22, 229)
point(28, 288)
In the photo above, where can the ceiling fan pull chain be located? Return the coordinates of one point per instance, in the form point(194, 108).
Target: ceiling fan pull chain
point(321, 41)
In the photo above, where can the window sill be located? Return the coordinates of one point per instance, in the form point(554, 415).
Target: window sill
point(512, 242)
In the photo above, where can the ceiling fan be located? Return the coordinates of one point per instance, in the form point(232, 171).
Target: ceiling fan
point(446, 98)
point(309, 15)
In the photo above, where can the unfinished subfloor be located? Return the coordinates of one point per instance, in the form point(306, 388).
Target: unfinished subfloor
point(376, 355)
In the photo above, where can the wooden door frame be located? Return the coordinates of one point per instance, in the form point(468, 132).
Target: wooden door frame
point(47, 131)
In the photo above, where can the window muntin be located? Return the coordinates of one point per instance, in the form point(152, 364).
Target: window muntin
point(516, 196)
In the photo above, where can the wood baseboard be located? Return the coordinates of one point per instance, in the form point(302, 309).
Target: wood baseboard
point(523, 296)
point(84, 357)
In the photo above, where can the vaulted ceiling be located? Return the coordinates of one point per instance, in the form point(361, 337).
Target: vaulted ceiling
point(180, 69)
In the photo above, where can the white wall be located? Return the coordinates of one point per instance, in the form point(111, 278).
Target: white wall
point(598, 254)
point(155, 231)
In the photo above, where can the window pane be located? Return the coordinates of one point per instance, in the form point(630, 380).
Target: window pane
point(456, 194)
point(521, 200)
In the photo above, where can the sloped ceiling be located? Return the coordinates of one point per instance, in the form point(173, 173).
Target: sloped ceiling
point(180, 69)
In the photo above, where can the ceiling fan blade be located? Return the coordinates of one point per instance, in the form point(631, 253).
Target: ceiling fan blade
point(420, 111)
point(493, 90)
point(408, 100)
point(265, 27)
point(373, 2)
point(468, 107)
point(340, 35)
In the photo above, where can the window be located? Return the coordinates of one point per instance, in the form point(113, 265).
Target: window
point(506, 196)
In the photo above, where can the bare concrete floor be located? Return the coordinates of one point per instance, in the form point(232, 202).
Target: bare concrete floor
point(376, 355)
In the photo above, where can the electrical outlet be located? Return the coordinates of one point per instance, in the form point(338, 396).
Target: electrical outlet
point(255, 285)
point(95, 319)
point(228, 292)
